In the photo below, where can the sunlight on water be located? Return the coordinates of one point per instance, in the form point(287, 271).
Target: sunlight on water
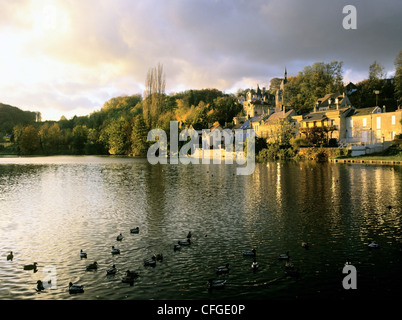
point(51, 207)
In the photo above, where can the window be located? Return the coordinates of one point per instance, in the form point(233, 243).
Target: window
point(351, 123)
point(378, 122)
point(393, 120)
point(364, 122)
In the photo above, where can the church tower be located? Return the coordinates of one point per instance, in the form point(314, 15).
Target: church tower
point(280, 93)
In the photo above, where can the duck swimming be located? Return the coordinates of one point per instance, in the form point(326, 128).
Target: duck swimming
point(176, 247)
point(31, 267)
point(373, 245)
point(185, 242)
point(254, 265)
point(150, 262)
point(158, 256)
point(119, 237)
point(83, 254)
point(10, 256)
point(284, 256)
point(135, 230)
point(75, 288)
point(129, 277)
point(92, 266)
point(223, 269)
point(115, 250)
point(39, 286)
point(111, 270)
point(216, 283)
point(251, 253)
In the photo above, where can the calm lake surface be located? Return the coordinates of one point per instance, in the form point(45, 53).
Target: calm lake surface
point(51, 207)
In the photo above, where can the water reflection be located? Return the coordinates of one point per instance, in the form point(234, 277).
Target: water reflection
point(53, 207)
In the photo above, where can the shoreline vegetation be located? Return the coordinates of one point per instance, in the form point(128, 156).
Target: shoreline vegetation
point(121, 126)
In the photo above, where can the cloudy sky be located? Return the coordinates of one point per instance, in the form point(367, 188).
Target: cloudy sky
point(67, 57)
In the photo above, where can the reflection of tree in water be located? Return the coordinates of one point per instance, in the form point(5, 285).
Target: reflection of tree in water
point(155, 196)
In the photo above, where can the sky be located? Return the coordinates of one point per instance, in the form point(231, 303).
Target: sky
point(68, 57)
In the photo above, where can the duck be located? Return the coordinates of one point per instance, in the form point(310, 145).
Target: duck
point(39, 285)
point(10, 256)
point(305, 245)
point(254, 265)
point(284, 256)
point(189, 235)
point(31, 266)
point(373, 245)
point(129, 277)
point(216, 283)
point(111, 270)
point(83, 254)
point(251, 253)
point(185, 242)
point(176, 247)
point(158, 256)
point(92, 266)
point(115, 250)
point(119, 237)
point(135, 230)
point(75, 288)
point(223, 269)
point(150, 262)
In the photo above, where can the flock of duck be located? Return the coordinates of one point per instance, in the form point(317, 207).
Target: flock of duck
point(130, 276)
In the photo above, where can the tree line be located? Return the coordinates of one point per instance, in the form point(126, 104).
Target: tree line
point(120, 127)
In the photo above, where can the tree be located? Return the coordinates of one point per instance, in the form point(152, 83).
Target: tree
point(50, 138)
point(154, 95)
point(398, 77)
point(139, 143)
point(79, 138)
point(376, 71)
point(314, 82)
point(29, 142)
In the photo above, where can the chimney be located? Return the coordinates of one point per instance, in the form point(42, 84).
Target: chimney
point(337, 103)
point(384, 109)
point(315, 107)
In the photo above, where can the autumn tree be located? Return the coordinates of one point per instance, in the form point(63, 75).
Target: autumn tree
point(398, 77)
point(154, 95)
point(28, 141)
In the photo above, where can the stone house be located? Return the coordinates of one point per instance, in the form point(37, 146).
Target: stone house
point(373, 125)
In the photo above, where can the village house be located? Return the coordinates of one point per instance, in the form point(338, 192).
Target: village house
point(328, 117)
point(257, 104)
point(273, 126)
point(373, 125)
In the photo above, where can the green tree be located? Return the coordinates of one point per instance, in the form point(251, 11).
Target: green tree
point(314, 82)
point(376, 71)
point(139, 143)
point(28, 142)
point(50, 138)
point(79, 139)
point(398, 77)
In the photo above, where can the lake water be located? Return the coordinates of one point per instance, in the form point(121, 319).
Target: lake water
point(51, 207)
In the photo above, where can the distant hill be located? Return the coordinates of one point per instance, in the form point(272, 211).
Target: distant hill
point(11, 116)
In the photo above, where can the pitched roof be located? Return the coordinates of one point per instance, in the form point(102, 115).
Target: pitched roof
point(314, 116)
point(364, 111)
point(277, 116)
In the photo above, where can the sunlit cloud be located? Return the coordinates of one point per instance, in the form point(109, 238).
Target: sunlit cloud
point(69, 57)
